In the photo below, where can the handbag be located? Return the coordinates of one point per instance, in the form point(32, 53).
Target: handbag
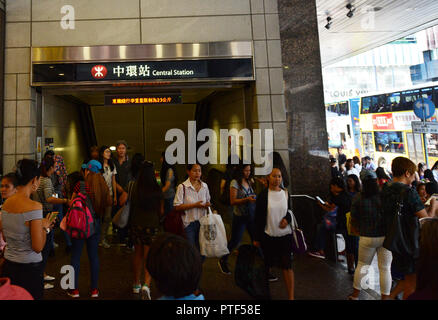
point(121, 218)
point(173, 221)
point(403, 234)
point(299, 244)
point(352, 228)
point(212, 236)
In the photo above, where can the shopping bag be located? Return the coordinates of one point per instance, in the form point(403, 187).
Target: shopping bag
point(212, 236)
point(351, 226)
point(299, 244)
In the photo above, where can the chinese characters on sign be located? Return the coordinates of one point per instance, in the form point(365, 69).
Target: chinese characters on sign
point(145, 99)
point(427, 127)
point(383, 122)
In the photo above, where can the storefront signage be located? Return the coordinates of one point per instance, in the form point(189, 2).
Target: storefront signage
point(112, 100)
point(383, 122)
point(239, 68)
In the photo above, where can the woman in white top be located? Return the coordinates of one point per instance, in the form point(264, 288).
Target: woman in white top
point(273, 232)
point(193, 197)
point(350, 169)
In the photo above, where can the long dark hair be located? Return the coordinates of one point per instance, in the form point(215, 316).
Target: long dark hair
point(165, 166)
point(136, 163)
point(356, 182)
point(147, 193)
point(370, 187)
point(427, 272)
point(26, 170)
point(278, 163)
point(101, 160)
point(428, 174)
point(381, 174)
point(238, 174)
point(46, 164)
point(435, 166)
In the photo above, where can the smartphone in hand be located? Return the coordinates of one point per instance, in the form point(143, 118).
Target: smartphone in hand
point(320, 200)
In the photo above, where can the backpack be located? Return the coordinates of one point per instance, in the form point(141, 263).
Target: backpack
point(250, 273)
point(403, 229)
point(80, 217)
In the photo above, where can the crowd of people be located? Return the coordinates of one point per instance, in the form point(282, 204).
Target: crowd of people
point(38, 198)
point(391, 213)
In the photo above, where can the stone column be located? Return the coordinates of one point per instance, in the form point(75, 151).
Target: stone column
point(304, 97)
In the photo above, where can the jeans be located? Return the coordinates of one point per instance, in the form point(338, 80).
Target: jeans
point(26, 275)
point(239, 224)
point(368, 247)
point(92, 247)
point(60, 209)
point(321, 236)
point(168, 205)
point(106, 221)
point(48, 246)
point(192, 233)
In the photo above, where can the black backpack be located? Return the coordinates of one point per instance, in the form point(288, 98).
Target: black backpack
point(250, 273)
point(403, 229)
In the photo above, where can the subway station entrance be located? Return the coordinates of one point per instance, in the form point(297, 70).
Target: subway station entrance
point(137, 93)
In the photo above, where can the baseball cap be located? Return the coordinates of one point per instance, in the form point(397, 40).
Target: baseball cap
point(367, 174)
point(93, 165)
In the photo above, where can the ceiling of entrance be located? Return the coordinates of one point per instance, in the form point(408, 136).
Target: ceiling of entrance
point(393, 19)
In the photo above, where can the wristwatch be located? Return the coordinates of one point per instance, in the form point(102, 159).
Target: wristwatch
point(47, 230)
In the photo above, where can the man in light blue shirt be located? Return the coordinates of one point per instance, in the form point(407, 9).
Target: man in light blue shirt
point(370, 165)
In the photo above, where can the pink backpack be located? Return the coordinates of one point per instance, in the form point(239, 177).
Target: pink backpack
point(79, 220)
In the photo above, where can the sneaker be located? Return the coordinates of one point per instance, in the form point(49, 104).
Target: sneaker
point(136, 288)
point(48, 286)
point(48, 278)
point(104, 244)
point(95, 293)
point(223, 266)
point(317, 255)
point(271, 277)
point(73, 293)
point(145, 293)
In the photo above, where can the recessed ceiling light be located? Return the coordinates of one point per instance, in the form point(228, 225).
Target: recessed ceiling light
point(60, 74)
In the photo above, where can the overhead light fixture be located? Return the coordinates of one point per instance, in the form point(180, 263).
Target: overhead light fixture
point(112, 148)
point(351, 10)
point(329, 23)
point(60, 74)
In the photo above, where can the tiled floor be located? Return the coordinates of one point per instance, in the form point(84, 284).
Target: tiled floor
point(315, 279)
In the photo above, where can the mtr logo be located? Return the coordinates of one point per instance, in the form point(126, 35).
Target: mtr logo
point(99, 72)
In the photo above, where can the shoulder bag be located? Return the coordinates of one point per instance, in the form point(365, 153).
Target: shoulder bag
point(173, 221)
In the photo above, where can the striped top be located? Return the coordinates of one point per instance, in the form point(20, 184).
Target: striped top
point(191, 196)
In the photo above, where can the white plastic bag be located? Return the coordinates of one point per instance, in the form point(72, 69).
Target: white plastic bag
point(212, 236)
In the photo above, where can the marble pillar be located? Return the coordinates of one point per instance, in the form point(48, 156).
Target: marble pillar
point(304, 97)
